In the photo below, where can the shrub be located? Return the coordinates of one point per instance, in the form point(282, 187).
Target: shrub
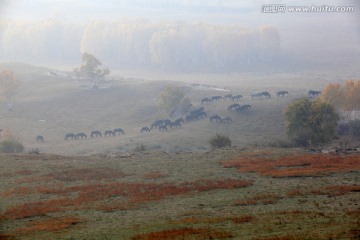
point(220, 141)
point(311, 123)
point(11, 146)
point(351, 128)
point(140, 147)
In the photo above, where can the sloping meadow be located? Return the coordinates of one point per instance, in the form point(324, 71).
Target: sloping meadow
point(221, 194)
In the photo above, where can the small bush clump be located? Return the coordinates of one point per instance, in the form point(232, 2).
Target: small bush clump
point(220, 141)
point(11, 146)
point(140, 147)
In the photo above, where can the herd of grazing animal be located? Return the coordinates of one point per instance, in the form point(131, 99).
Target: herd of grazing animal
point(193, 115)
point(93, 134)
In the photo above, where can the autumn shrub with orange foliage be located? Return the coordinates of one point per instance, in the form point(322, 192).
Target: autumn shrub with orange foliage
point(183, 233)
point(297, 165)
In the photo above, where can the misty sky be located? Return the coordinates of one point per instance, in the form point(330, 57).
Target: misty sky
point(308, 38)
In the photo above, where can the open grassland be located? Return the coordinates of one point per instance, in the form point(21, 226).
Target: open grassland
point(235, 193)
point(51, 103)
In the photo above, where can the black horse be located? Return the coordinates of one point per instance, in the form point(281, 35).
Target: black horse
point(70, 136)
point(229, 96)
point(260, 95)
point(81, 135)
point(216, 98)
point(205, 100)
point(233, 106)
point(163, 127)
point(243, 108)
point(175, 124)
point(109, 133)
point(282, 94)
point(180, 120)
point(215, 118)
point(144, 129)
point(313, 93)
point(197, 110)
point(119, 131)
point(237, 97)
point(40, 138)
point(95, 134)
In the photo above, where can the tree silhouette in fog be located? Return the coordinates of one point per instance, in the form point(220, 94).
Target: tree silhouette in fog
point(89, 70)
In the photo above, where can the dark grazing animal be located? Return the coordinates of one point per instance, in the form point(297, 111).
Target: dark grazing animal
point(205, 100)
point(163, 127)
point(197, 110)
point(260, 95)
point(144, 129)
point(40, 138)
point(233, 106)
point(180, 120)
point(229, 96)
point(215, 118)
point(282, 94)
point(95, 134)
point(243, 108)
point(216, 98)
point(70, 136)
point(81, 135)
point(109, 133)
point(237, 97)
point(119, 131)
point(313, 93)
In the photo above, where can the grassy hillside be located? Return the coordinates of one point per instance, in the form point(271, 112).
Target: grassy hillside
point(53, 104)
point(171, 184)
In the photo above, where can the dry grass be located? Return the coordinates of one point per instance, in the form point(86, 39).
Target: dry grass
point(297, 165)
point(259, 199)
point(336, 190)
point(183, 233)
point(134, 193)
point(86, 174)
point(154, 175)
point(51, 224)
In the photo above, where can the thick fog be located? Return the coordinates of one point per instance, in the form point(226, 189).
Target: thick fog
point(177, 35)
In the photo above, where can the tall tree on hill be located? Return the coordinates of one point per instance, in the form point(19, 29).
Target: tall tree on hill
point(311, 123)
point(173, 97)
point(89, 70)
point(8, 87)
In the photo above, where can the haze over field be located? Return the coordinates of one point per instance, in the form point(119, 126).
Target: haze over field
point(215, 35)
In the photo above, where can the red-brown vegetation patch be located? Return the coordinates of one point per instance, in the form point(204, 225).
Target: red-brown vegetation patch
point(154, 175)
point(86, 174)
point(336, 190)
point(132, 193)
point(214, 220)
point(51, 225)
point(295, 192)
point(39, 208)
point(262, 199)
point(183, 233)
point(297, 165)
point(278, 238)
point(34, 179)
